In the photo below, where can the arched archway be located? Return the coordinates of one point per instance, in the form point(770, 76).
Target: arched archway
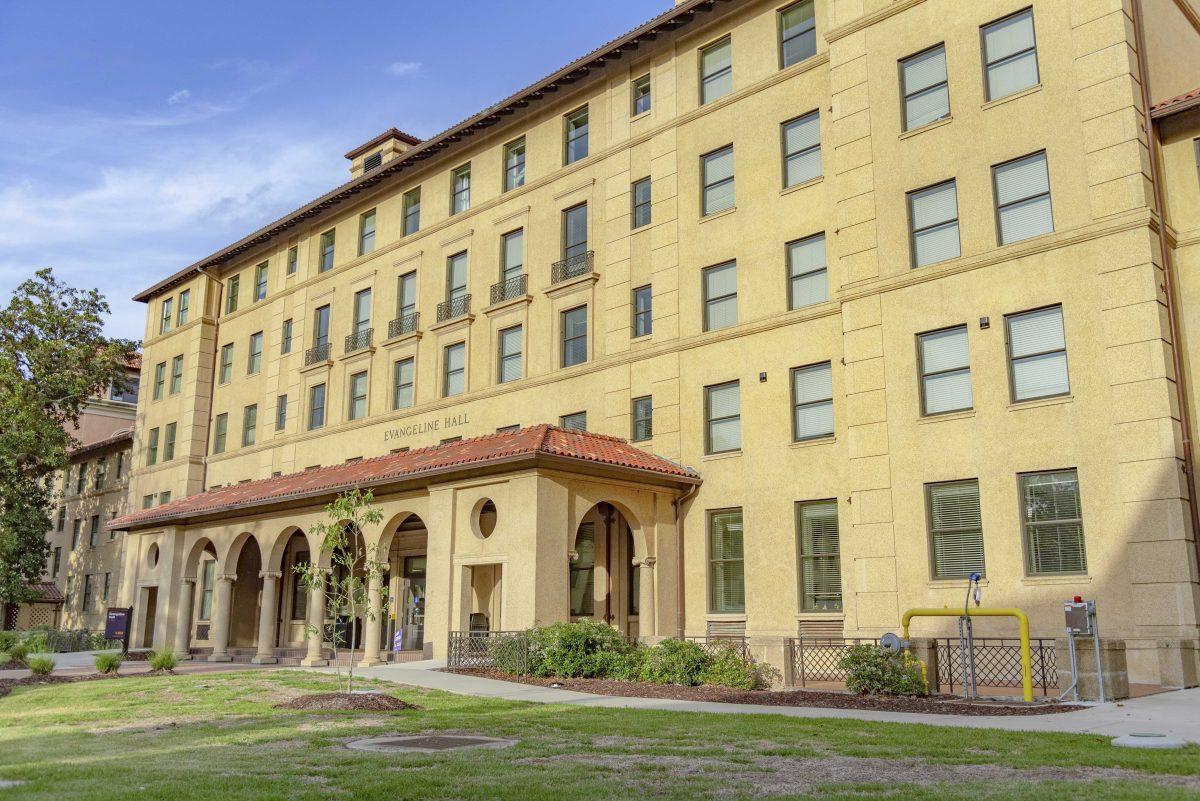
point(402, 549)
point(244, 563)
point(292, 549)
point(603, 582)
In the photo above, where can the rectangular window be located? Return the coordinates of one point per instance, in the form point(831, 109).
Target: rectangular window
point(797, 33)
point(120, 466)
point(358, 396)
point(514, 164)
point(808, 278)
point(107, 583)
point(164, 497)
point(220, 432)
point(512, 255)
point(945, 366)
point(285, 337)
point(281, 404)
point(454, 370)
point(955, 529)
point(1053, 523)
point(226, 373)
point(820, 556)
point(185, 302)
point(366, 232)
point(460, 189)
point(576, 421)
point(575, 231)
point(57, 562)
point(76, 528)
point(177, 375)
point(801, 149)
point(412, 211)
point(643, 419)
point(933, 224)
point(812, 402)
point(574, 336)
point(293, 259)
point(147, 501)
point(1037, 353)
point(260, 282)
point(254, 355)
point(726, 577)
point(362, 313)
point(164, 322)
point(93, 531)
point(1010, 55)
point(582, 572)
point(402, 384)
point(151, 449)
point(575, 135)
point(326, 254)
point(640, 95)
point(723, 418)
point(81, 481)
point(641, 203)
point(62, 520)
point(101, 473)
point(717, 168)
point(208, 575)
point(716, 71)
point(510, 354)
point(406, 295)
point(643, 311)
point(456, 276)
point(321, 327)
point(231, 294)
point(720, 296)
point(926, 92)
point(87, 593)
point(160, 380)
point(249, 424)
point(316, 407)
point(169, 442)
point(1023, 207)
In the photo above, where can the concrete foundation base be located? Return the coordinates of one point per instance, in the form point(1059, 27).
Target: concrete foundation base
point(1179, 663)
point(1112, 659)
point(306, 662)
point(220, 658)
point(264, 660)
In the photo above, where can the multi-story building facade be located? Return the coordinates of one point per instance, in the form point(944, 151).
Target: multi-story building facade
point(887, 277)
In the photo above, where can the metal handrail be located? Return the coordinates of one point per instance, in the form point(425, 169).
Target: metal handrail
point(317, 353)
point(359, 340)
point(509, 289)
point(455, 307)
point(404, 324)
point(573, 267)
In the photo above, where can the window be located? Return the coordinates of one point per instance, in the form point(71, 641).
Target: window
point(254, 356)
point(62, 520)
point(460, 189)
point(643, 419)
point(641, 203)
point(512, 255)
point(720, 296)
point(574, 336)
point(926, 93)
point(93, 531)
point(260, 282)
point(107, 582)
point(945, 366)
point(358, 396)
point(726, 579)
point(151, 449)
point(220, 432)
point(582, 571)
point(575, 136)
point(208, 575)
point(508, 429)
point(402, 384)
point(718, 181)
point(87, 593)
point(81, 481)
point(120, 465)
point(76, 528)
point(126, 394)
point(185, 302)
point(321, 327)
point(169, 442)
point(412, 211)
point(933, 224)
point(57, 562)
point(797, 33)
point(164, 323)
point(812, 402)
point(1010, 55)
point(808, 279)
point(716, 71)
point(1053, 523)
point(643, 314)
point(293, 259)
point(326, 254)
point(454, 369)
point(366, 232)
point(160, 380)
point(801, 149)
point(640, 94)
point(1037, 353)
point(281, 404)
point(510, 354)
point(955, 529)
point(820, 556)
point(285, 337)
point(456, 276)
point(177, 375)
point(575, 231)
point(226, 373)
point(148, 501)
point(514, 164)
point(1023, 199)
point(231, 294)
point(316, 407)
point(723, 418)
point(362, 314)
point(249, 424)
point(164, 497)
point(576, 421)
point(101, 473)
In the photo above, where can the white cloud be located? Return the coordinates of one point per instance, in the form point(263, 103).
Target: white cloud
point(401, 68)
point(179, 97)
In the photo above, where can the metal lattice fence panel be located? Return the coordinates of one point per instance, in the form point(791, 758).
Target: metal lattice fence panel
point(997, 663)
point(819, 658)
point(482, 649)
point(714, 645)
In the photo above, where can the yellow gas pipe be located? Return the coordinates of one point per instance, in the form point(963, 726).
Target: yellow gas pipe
point(1022, 621)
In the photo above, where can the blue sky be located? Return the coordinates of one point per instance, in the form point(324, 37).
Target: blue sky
point(137, 137)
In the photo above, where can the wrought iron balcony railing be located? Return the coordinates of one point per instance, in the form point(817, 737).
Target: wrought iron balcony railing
point(455, 307)
point(405, 324)
point(359, 340)
point(317, 353)
point(509, 289)
point(572, 267)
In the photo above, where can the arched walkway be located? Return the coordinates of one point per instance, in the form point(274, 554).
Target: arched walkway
point(604, 583)
point(399, 603)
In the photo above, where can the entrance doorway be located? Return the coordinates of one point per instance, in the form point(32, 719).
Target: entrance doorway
point(487, 598)
point(406, 555)
point(150, 604)
point(604, 585)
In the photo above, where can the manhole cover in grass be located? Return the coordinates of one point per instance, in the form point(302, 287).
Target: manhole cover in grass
point(428, 743)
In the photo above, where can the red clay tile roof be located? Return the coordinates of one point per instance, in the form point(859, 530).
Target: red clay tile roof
point(390, 133)
point(1176, 104)
point(525, 444)
point(48, 592)
point(120, 437)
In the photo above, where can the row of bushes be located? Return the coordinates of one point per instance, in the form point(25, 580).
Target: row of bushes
point(54, 641)
point(107, 662)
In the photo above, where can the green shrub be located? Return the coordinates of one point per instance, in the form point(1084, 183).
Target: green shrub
point(572, 650)
point(5, 660)
point(163, 660)
point(624, 665)
point(109, 662)
point(728, 669)
point(874, 671)
point(675, 662)
point(18, 651)
point(41, 665)
point(35, 642)
point(7, 640)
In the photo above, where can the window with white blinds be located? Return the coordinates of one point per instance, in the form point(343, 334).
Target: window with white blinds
point(801, 149)
point(797, 33)
point(716, 71)
point(583, 570)
point(1010, 55)
point(720, 296)
point(717, 169)
point(456, 276)
point(926, 93)
point(820, 560)
point(454, 370)
point(1053, 520)
point(510, 354)
point(808, 279)
point(812, 402)
point(1037, 352)
point(726, 579)
point(1023, 199)
point(723, 418)
point(955, 529)
point(402, 380)
point(576, 421)
point(512, 254)
point(933, 219)
point(945, 371)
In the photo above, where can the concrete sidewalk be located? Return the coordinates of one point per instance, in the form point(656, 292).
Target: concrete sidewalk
point(1174, 713)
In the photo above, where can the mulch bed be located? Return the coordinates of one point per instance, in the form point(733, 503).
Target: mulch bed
point(934, 704)
point(6, 685)
point(341, 702)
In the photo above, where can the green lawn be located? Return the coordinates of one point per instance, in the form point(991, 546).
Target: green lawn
point(217, 736)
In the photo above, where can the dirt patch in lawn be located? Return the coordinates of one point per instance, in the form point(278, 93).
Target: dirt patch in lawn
point(6, 685)
point(933, 704)
point(347, 702)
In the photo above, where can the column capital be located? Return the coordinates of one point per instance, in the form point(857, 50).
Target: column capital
point(187, 580)
point(230, 577)
point(645, 561)
point(270, 574)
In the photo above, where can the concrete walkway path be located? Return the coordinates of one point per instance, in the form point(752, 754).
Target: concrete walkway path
point(1174, 713)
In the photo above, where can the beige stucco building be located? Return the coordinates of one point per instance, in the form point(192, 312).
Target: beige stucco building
point(887, 277)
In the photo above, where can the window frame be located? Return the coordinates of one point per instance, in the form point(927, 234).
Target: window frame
point(786, 157)
point(460, 189)
point(792, 276)
point(404, 309)
point(513, 180)
point(708, 302)
point(709, 419)
point(293, 260)
point(312, 424)
point(782, 42)
point(281, 405)
point(285, 337)
point(366, 238)
point(913, 231)
point(220, 433)
point(261, 278)
point(160, 381)
point(986, 65)
point(168, 449)
point(225, 365)
point(363, 377)
point(1025, 544)
point(635, 87)
point(905, 95)
point(249, 425)
point(645, 404)
point(411, 209)
point(801, 555)
point(565, 424)
point(796, 405)
point(931, 532)
point(254, 353)
point(642, 319)
point(705, 80)
point(1012, 382)
point(568, 246)
point(232, 289)
point(166, 315)
point(645, 206)
point(176, 385)
point(411, 384)
point(565, 341)
point(705, 186)
point(996, 208)
point(922, 375)
point(711, 561)
point(503, 358)
point(568, 140)
point(326, 251)
point(508, 271)
point(447, 372)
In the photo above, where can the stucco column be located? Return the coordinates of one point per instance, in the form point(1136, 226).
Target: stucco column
point(315, 626)
point(183, 626)
point(222, 597)
point(647, 614)
point(266, 619)
point(373, 620)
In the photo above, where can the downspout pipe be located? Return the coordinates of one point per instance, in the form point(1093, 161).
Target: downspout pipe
point(1181, 389)
point(679, 610)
